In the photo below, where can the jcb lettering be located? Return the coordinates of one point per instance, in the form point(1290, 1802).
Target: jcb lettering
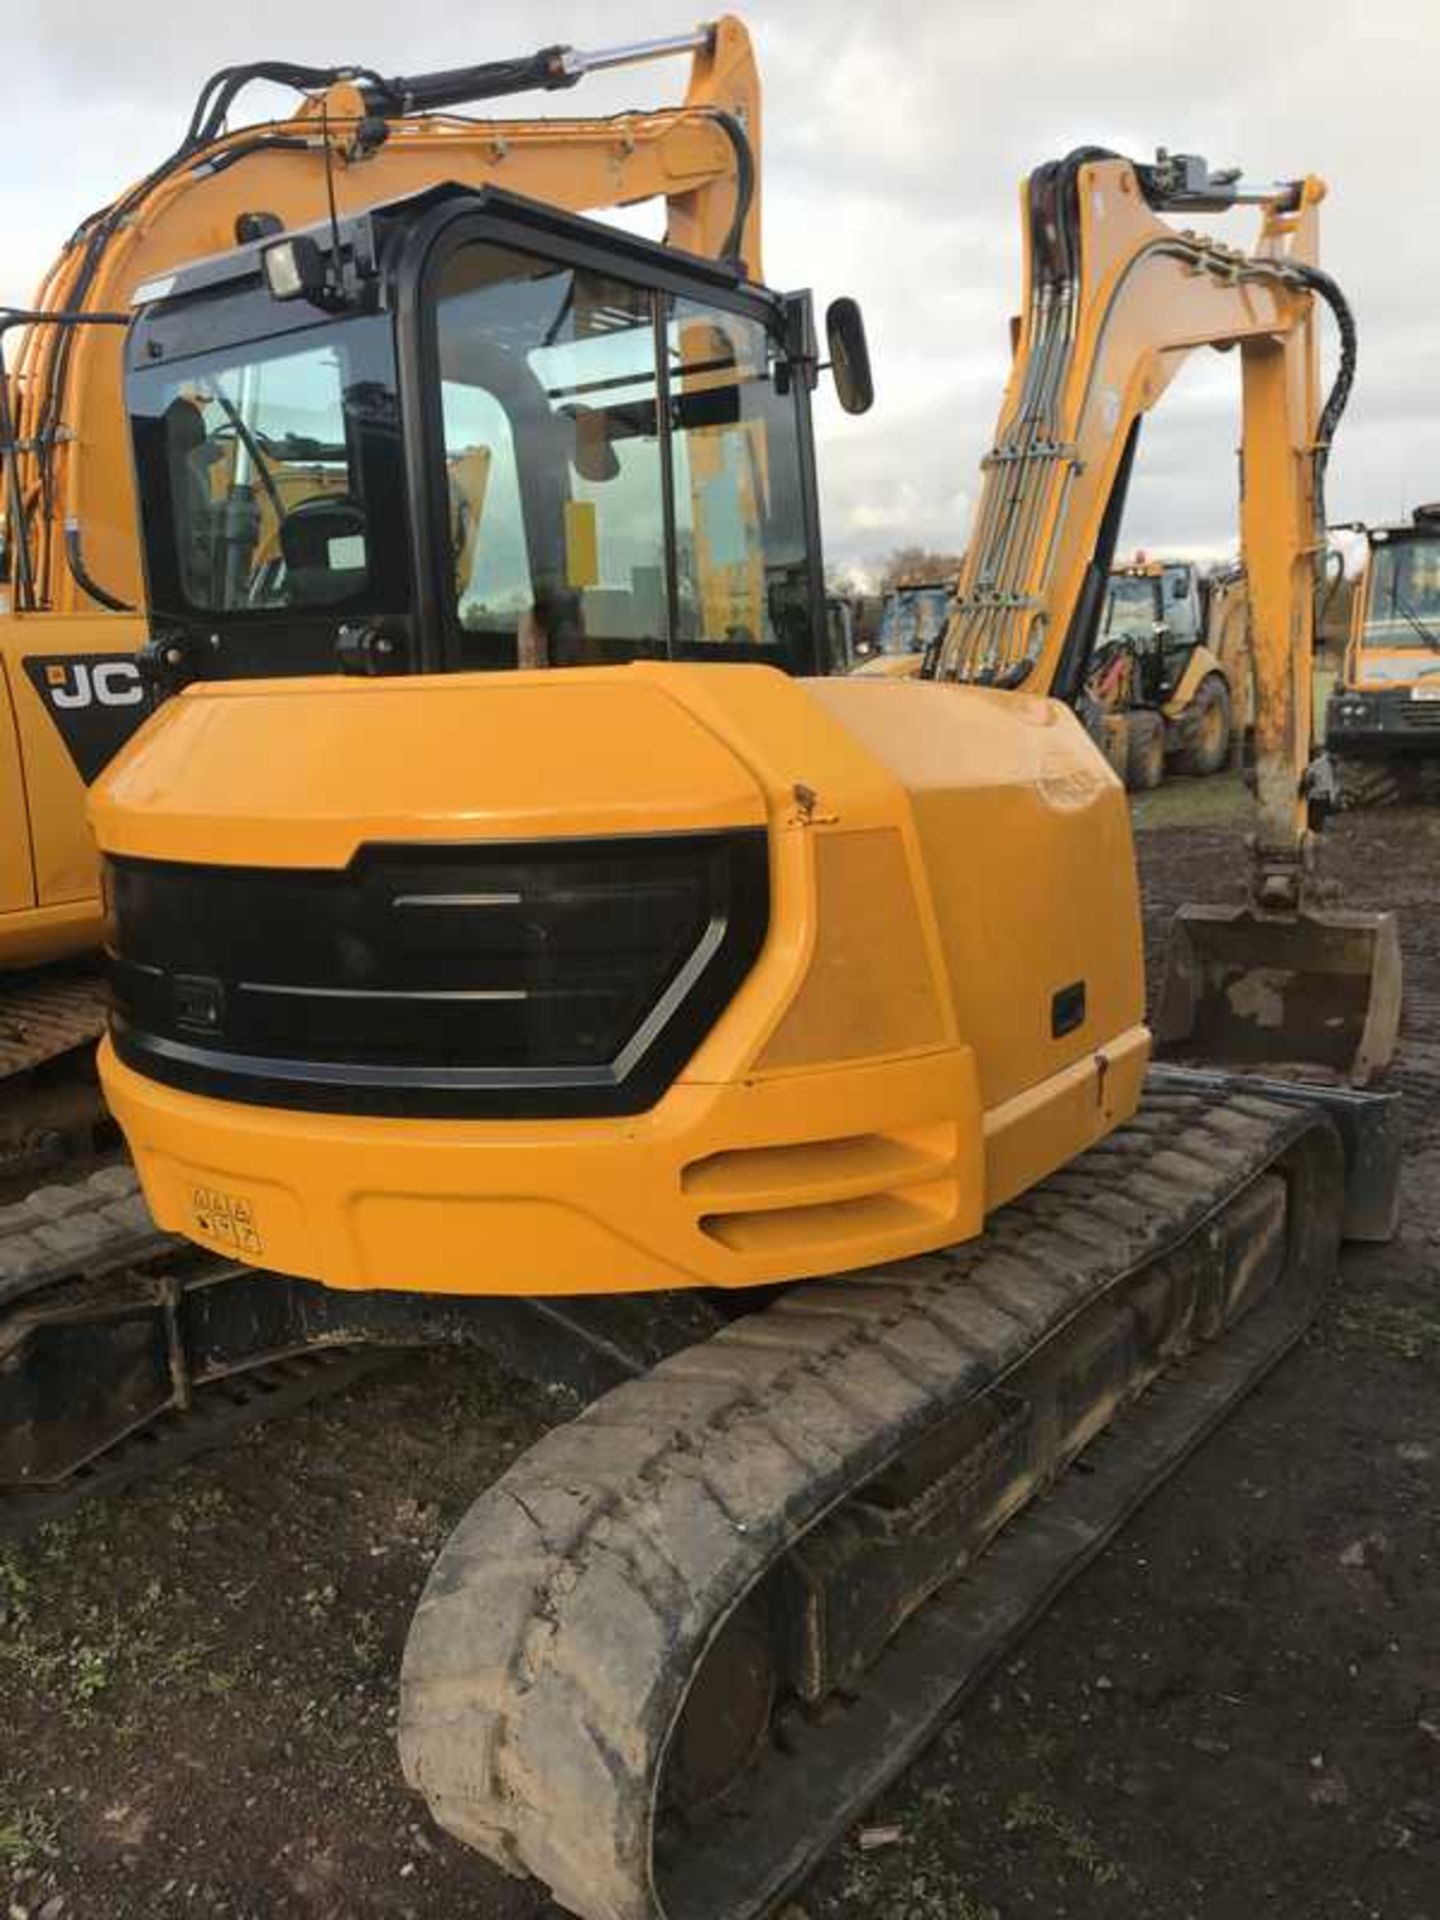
point(109, 683)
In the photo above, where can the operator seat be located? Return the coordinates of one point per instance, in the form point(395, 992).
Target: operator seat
point(322, 542)
point(192, 503)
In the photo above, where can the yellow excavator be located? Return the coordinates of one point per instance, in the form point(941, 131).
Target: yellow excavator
point(72, 618)
point(562, 968)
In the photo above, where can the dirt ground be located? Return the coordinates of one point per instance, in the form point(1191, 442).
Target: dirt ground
point(1234, 1713)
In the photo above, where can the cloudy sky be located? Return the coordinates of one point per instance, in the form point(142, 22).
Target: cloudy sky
point(896, 135)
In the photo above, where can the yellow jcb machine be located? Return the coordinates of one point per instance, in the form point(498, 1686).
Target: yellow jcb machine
point(1169, 680)
point(911, 621)
point(1382, 720)
point(761, 1053)
point(71, 610)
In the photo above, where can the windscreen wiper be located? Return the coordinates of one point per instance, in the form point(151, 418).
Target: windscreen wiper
point(1408, 613)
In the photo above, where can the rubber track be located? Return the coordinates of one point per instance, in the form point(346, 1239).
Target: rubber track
point(1417, 1068)
point(221, 1410)
point(86, 1226)
point(43, 1018)
point(85, 1229)
point(557, 1633)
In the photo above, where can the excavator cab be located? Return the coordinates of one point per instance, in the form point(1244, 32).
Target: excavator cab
point(455, 435)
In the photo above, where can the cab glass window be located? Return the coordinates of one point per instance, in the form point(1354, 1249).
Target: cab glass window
point(739, 518)
point(1404, 599)
point(263, 455)
point(622, 470)
point(1132, 608)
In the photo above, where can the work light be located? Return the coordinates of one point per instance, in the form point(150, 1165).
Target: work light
point(294, 269)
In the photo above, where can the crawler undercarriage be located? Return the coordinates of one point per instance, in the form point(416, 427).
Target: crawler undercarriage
point(681, 1642)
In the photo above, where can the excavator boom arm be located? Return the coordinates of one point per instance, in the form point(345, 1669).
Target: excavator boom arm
point(1116, 300)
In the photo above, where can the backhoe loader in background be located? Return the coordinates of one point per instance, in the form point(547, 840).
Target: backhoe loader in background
point(72, 626)
point(1170, 675)
point(764, 1055)
point(1382, 720)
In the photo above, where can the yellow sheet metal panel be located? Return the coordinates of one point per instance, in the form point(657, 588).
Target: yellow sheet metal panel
point(52, 810)
point(1024, 840)
point(869, 988)
point(1379, 667)
point(36, 936)
point(860, 1163)
point(1028, 1136)
point(582, 544)
point(300, 773)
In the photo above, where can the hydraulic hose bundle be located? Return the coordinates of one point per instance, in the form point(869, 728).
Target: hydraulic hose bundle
point(384, 98)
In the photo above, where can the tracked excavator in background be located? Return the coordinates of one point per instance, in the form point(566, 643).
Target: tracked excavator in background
point(75, 620)
point(763, 1055)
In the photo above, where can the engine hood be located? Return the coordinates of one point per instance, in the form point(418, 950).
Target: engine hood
point(303, 772)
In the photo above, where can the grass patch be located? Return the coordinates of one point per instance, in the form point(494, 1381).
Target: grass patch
point(1219, 801)
point(1409, 1330)
point(73, 1663)
point(26, 1837)
point(1031, 1813)
point(905, 1888)
point(195, 1503)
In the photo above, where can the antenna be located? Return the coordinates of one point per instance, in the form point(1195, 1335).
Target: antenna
point(335, 261)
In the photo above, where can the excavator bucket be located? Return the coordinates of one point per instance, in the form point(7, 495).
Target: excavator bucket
point(1314, 992)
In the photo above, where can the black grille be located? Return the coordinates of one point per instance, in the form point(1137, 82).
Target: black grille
point(556, 977)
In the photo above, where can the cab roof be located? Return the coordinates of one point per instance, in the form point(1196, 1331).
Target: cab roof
point(361, 236)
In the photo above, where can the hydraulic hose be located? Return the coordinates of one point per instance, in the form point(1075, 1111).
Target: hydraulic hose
point(1336, 400)
point(549, 69)
point(81, 576)
point(744, 181)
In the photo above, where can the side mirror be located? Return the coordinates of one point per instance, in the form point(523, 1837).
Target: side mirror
point(849, 355)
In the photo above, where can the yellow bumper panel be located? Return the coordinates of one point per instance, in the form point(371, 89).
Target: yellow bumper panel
point(717, 1186)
